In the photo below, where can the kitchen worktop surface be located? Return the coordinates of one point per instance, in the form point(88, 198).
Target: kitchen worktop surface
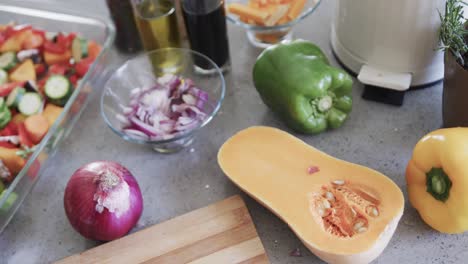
point(376, 135)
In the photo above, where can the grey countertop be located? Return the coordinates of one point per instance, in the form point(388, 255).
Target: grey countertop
point(376, 135)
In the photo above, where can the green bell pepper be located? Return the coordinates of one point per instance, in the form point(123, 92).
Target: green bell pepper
point(296, 81)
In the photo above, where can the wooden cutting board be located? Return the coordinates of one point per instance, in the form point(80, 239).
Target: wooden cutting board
point(221, 233)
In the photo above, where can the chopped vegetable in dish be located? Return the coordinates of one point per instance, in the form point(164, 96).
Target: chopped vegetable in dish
point(38, 73)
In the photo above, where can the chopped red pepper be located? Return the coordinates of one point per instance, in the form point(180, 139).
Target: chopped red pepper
point(35, 40)
point(93, 49)
point(40, 69)
point(34, 169)
point(83, 65)
point(20, 28)
point(5, 89)
point(13, 111)
point(58, 69)
point(10, 31)
point(23, 136)
point(65, 40)
point(42, 82)
point(74, 79)
point(7, 145)
point(2, 37)
point(55, 48)
point(11, 129)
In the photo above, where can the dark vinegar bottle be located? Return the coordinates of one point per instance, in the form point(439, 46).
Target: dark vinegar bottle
point(205, 21)
point(127, 38)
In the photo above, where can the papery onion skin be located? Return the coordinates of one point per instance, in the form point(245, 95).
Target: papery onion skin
point(80, 203)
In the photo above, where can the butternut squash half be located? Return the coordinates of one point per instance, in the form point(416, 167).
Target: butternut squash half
point(343, 212)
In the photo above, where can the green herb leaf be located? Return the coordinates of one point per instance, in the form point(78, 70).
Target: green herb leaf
point(453, 32)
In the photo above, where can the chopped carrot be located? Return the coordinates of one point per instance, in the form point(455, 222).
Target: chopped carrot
point(18, 118)
point(52, 58)
point(283, 20)
point(8, 145)
point(93, 49)
point(268, 12)
point(36, 126)
point(248, 12)
point(254, 4)
point(280, 11)
point(296, 9)
point(12, 161)
point(259, 2)
point(51, 113)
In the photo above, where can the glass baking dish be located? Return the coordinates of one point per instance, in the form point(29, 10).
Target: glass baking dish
point(93, 28)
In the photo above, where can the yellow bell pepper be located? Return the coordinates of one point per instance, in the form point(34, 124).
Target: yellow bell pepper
point(437, 179)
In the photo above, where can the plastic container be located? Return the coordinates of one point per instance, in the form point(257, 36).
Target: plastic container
point(89, 27)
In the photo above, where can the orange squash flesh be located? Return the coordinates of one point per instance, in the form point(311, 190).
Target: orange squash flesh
point(273, 167)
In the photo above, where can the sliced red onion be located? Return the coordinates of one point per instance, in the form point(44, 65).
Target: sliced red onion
point(183, 120)
point(183, 127)
point(143, 127)
point(126, 110)
point(166, 126)
point(172, 105)
point(173, 84)
point(200, 104)
point(134, 93)
point(189, 99)
point(136, 134)
point(122, 119)
point(25, 54)
point(167, 78)
point(200, 94)
point(12, 139)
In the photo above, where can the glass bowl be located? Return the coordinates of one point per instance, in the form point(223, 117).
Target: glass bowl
point(265, 36)
point(142, 71)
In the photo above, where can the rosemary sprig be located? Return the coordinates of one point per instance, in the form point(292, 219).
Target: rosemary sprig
point(453, 33)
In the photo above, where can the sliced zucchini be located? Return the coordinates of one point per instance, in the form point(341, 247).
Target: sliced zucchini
point(5, 117)
point(10, 201)
point(3, 77)
point(79, 49)
point(58, 89)
point(30, 104)
point(2, 104)
point(8, 60)
point(15, 96)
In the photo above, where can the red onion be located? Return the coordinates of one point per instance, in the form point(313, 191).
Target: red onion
point(172, 105)
point(103, 201)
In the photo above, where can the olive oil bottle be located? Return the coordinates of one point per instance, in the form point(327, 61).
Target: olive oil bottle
point(157, 24)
